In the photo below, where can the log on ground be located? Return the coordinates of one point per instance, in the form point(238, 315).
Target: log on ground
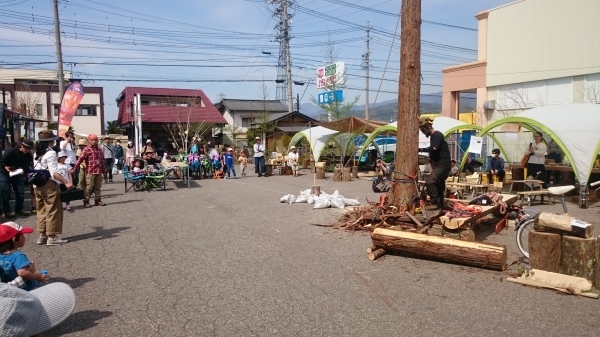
point(544, 251)
point(578, 257)
point(371, 249)
point(376, 254)
point(465, 234)
point(474, 254)
point(565, 224)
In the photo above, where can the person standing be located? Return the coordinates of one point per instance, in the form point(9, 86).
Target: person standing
point(537, 158)
point(148, 150)
point(293, 160)
point(118, 153)
point(260, 167)
point(439, 153)
point(496, 167)
point(68, 147)
point(95, 167)
point(81, 168)
point(12, 160)
point(47, 195)
point(129, 155)
point(109, 160)
point(230, 167)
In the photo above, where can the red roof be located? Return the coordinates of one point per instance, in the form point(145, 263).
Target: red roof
point(168, 114)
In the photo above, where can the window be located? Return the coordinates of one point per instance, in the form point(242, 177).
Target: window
point(82, 110)
point(39, 109)
point(246, 122)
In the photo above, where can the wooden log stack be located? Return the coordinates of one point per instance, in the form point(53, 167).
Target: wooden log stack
point(563, 244)
point(443, 249)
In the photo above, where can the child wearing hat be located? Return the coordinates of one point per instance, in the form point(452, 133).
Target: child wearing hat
point(13, 262)
point(63, 170)
point(230, 167)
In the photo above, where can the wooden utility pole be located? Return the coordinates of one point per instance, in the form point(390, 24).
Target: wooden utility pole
point(408, 103)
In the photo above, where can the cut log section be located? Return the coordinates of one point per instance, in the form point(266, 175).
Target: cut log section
point(465, 234)
point(376, 254)
point(578, 257)
point(371, 249)
point(565, 224)
point(474, 254)
point(563, 283)
point(337, 174)
point(544, 251)
point(320, 173)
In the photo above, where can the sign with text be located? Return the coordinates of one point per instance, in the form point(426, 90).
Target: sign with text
point(330, 75)
point(330, 97)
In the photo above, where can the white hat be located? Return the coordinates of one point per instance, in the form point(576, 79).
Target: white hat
point(257, 137)
point(30, 313)
point(292, 148)
point(148, 141)
point(62, 154)
point(129, 143)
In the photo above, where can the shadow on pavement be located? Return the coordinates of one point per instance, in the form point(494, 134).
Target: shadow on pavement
point(79, 321)
point(99, 233)
point(74, 283)
point(181, 184)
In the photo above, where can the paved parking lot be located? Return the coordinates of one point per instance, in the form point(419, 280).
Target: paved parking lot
point(224, 258)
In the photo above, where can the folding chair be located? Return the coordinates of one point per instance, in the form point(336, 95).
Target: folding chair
point(155, 178)
point(136, 182)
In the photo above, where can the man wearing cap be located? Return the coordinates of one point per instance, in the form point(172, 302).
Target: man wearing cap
point(439, 153)
point(95, 167)
point(29, 313)
point(260, 167)
point(293, 160)
point(13, 170)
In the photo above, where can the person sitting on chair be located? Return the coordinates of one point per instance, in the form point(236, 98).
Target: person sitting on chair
point(496, 167)
point(454, 170)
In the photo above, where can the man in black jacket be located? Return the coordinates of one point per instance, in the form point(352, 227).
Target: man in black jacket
point(439, 153)
point(11, 163)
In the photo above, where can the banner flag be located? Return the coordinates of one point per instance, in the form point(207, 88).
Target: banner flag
point(68, 107)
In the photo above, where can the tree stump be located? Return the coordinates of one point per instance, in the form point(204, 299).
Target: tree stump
point(465, 234)
point(544, 251)
point(578, 257)
point(320, 173)
point(355, 172)
point(305, 163)
point(316, 190)
point(337, 174)
point(347, 174)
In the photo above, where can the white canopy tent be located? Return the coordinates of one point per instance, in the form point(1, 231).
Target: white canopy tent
point(317, 137)
point(574, 127)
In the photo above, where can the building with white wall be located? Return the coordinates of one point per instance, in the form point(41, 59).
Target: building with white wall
point(34, 93)
point(530, 53)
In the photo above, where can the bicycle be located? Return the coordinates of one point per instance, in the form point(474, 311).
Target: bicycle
point(526, 219)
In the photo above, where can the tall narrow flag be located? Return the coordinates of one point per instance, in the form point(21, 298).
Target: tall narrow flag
point(68, 107)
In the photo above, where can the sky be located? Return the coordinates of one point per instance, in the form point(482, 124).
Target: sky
point(228, 48)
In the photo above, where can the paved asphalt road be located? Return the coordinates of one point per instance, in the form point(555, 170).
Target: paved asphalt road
point(225, 258)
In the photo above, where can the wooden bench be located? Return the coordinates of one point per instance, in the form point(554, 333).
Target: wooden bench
point(530, 195)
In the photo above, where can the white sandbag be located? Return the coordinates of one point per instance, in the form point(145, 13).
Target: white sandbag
point(337, 202)
point(310, 199)
point(335, 193)
point(322, 203)
point(292, 199)
point(351, 202)
point(306, 192)
point(285, 198)
point(301, 198)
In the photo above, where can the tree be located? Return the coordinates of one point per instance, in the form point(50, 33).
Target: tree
point(183, 130)
point(30, 103)
point(263, 126)
point(113, 127)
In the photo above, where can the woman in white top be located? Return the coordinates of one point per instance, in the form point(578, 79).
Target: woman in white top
point(293, 160)
point(47, 196)
point(537, 158)
point(70, 149)
point(259, 158)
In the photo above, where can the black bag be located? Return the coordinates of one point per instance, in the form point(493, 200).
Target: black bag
point(482, 200)
point(380, 185)
point(71, 195)
point(38, 177)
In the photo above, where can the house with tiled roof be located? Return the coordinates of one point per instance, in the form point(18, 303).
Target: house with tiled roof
point(242, 114)
point(161, 106)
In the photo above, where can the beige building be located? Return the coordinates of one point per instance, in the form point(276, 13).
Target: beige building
point(34, 93)
point(530, 53)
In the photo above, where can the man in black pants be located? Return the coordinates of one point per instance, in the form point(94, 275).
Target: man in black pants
point(439, 153)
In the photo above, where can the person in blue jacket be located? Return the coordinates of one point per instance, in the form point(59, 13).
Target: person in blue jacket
point(496, 166)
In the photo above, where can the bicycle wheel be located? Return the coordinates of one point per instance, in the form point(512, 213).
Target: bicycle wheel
point(523, 236)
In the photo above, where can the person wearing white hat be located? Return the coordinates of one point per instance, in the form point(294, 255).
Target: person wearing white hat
point(129, 155)
point(29, 313)
point(230, 167)
point(63, 170)
point(293, 160)
point(260, 167)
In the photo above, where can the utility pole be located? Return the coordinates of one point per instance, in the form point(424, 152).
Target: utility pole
point(59, 62)
point(408, 103)
point(298, 102)
point(367, 67)
point(288, 59)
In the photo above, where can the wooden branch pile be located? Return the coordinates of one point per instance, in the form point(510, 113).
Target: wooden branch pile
point(563, 244)
point(378, 215)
